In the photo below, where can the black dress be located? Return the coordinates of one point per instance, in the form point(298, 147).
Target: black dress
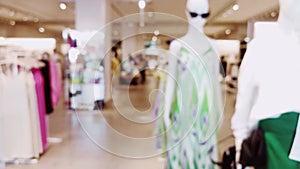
point(47, 88)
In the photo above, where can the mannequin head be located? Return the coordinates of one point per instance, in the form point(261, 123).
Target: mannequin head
point(200, 7)
point(290, 12)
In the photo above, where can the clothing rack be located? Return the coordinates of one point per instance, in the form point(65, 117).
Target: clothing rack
point(26, 65)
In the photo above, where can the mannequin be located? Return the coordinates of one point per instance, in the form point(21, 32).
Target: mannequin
point(192, 94)
point(195, 28)
point(268, 90)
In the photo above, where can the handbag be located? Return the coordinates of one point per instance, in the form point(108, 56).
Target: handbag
point(228, 159)
point(253, 151)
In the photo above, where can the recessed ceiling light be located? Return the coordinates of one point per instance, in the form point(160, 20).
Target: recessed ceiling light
point(247, 39)
point(25, 18)
point(41, 29)
point(156, 32)
point(36, 20)
point(12, 23)
point(235, 7)
point(154, 38)
point(63, 6)
point(142, 4)
point(227, 31)
point(274, 14)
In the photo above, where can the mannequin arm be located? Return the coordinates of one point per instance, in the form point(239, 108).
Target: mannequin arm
point(217, 86)
point(171, 81)
point(247, 91)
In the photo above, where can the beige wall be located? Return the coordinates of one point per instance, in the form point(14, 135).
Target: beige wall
point(24, 30)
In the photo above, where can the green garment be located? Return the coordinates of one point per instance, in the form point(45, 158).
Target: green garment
point(279, 135)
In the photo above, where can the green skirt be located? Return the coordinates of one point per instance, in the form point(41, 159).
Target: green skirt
point(279, 135)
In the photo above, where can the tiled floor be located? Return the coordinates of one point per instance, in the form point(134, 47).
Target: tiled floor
point(119, 137)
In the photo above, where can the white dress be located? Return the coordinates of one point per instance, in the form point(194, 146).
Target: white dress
point(19, 127)
point(34, 116)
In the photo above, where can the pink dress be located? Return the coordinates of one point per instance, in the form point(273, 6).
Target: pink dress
point(56, 83)
point(39, 86)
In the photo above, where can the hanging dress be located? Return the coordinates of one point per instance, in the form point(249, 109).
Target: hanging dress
point(47, 87)
point(39, 86)
point(55, 83)
point(34, 115)
point(16, 118)
point(192, 138)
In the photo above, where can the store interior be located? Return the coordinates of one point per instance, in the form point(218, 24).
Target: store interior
point(108, 62)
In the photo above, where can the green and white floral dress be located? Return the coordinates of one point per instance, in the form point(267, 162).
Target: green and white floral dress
point(192, 138)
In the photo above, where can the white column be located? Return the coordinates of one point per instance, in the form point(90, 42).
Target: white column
point(129, 31)
point(90, 14)
point(94, 15)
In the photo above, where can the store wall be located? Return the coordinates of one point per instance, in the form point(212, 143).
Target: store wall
point(23, 30)
point(239, 32)
point(28, 31)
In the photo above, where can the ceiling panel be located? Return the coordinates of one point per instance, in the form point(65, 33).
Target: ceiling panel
point(48, 12)
point(43, 9)
point(248, 9)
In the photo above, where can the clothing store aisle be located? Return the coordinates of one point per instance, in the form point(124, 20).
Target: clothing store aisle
point(119, 137)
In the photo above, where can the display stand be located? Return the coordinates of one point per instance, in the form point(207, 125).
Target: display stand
point(86, 70)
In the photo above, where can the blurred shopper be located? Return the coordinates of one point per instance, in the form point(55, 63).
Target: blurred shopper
point(114, 61)
point(223, 66)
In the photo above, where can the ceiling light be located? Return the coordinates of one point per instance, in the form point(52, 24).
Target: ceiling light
point(156, 32)
point(35, 19)
point(12, 23)
point(41, 29)
point(227, 31)
point(62, 6)
point(25, 18)
point(142, 4)
point(154, 38)
point(235, 7)
point(274, 14)
point(247, 39)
